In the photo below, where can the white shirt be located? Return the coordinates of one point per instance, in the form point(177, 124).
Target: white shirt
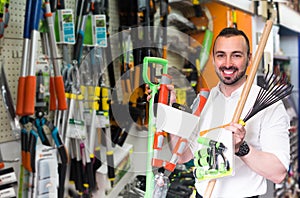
point(266, 131)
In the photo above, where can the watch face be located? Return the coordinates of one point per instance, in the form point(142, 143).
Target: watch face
point(244, 149)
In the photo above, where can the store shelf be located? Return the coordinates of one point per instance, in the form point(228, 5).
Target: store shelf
point(120, 185)
point(123, 170)
point(281, 58)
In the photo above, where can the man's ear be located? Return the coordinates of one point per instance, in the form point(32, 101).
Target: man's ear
point(249, 59)
point(250, 56)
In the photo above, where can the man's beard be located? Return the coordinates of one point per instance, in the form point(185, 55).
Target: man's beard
point(229, 81)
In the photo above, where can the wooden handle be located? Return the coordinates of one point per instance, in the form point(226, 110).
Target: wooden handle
point(253, 69)
point(246, 89)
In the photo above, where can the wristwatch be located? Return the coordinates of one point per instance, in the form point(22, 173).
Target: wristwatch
point(243, 150)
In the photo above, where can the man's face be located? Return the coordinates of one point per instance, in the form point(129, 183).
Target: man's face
point(230, 59)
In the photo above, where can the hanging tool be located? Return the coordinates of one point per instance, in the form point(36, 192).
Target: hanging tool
point(151, 126)
point(26, 125)
point(39, 122)
point(77, 53)
point(57, 80)
point(64, 159)
point(102, 7)
point(164, 12)
point(91, 68)
point(25, 58)
point(246, 89)
point(9, 104)
point(30, 80)
point(53, 6)
point(104, 107)
point(76, 135)
point(32, 142)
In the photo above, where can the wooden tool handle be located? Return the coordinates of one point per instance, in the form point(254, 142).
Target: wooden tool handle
point(253, 69)
point(246, 89)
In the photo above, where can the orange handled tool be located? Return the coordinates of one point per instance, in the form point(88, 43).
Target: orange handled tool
point(30, 79)
point(164, 98)
point(25, 57)
point(182, 142)
point(57, 82)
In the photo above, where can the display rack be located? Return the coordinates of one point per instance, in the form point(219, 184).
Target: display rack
point(289, 187)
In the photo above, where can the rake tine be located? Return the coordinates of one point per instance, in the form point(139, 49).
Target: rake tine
point(272, 89)
point(275, 89)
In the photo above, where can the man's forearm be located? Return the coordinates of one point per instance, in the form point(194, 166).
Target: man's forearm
point(265, 164)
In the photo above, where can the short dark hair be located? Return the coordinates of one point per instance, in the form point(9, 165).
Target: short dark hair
point(228, 32)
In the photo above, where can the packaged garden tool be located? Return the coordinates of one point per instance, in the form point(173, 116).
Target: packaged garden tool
point(177, 120)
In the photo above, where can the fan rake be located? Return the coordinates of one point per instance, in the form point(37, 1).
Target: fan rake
point(275, 88)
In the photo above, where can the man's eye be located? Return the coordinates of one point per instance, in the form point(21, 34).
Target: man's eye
point(220, 55)
point(237, 55)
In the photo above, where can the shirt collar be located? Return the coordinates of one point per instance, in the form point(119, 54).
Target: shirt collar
point(235, 93)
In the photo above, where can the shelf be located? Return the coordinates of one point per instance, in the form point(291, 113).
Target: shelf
point(281, 58)
point(123, 170)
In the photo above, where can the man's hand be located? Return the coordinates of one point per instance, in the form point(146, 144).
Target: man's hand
point(239, 133)
point(172, 92)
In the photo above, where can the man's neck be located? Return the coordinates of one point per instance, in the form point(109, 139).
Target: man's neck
point(227, 90)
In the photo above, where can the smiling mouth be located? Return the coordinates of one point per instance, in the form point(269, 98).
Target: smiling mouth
point(228, 71)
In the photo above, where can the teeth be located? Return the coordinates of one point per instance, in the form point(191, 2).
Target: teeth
point(228, 71)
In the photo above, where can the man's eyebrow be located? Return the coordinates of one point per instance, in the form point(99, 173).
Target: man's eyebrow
point(237, 52)
point(223, 52)
point(219, 51)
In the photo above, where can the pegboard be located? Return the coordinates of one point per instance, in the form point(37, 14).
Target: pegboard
point(11, 56)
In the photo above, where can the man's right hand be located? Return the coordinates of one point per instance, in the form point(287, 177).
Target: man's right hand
point(172, 91)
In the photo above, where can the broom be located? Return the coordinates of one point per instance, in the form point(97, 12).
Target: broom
point(246, 90)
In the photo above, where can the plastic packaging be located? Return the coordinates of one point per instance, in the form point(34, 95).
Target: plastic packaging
point(160, 186)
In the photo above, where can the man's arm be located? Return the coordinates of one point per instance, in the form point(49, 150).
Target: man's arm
point(271, 162)
point(265, 164)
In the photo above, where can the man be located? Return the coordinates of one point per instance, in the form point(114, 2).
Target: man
point(261, 146)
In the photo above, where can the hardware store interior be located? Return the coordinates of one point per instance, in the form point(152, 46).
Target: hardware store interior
point(76, 76)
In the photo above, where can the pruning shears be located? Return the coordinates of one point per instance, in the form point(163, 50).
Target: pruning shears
point(27, 80)
point(29, 138)
point(58, 79)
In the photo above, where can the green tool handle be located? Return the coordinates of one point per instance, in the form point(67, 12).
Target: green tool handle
point(204, 141)
point(151, 126)
point(156, 60)
point(205, 51)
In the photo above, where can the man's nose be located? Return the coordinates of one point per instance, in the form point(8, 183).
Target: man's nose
point(228, 61)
